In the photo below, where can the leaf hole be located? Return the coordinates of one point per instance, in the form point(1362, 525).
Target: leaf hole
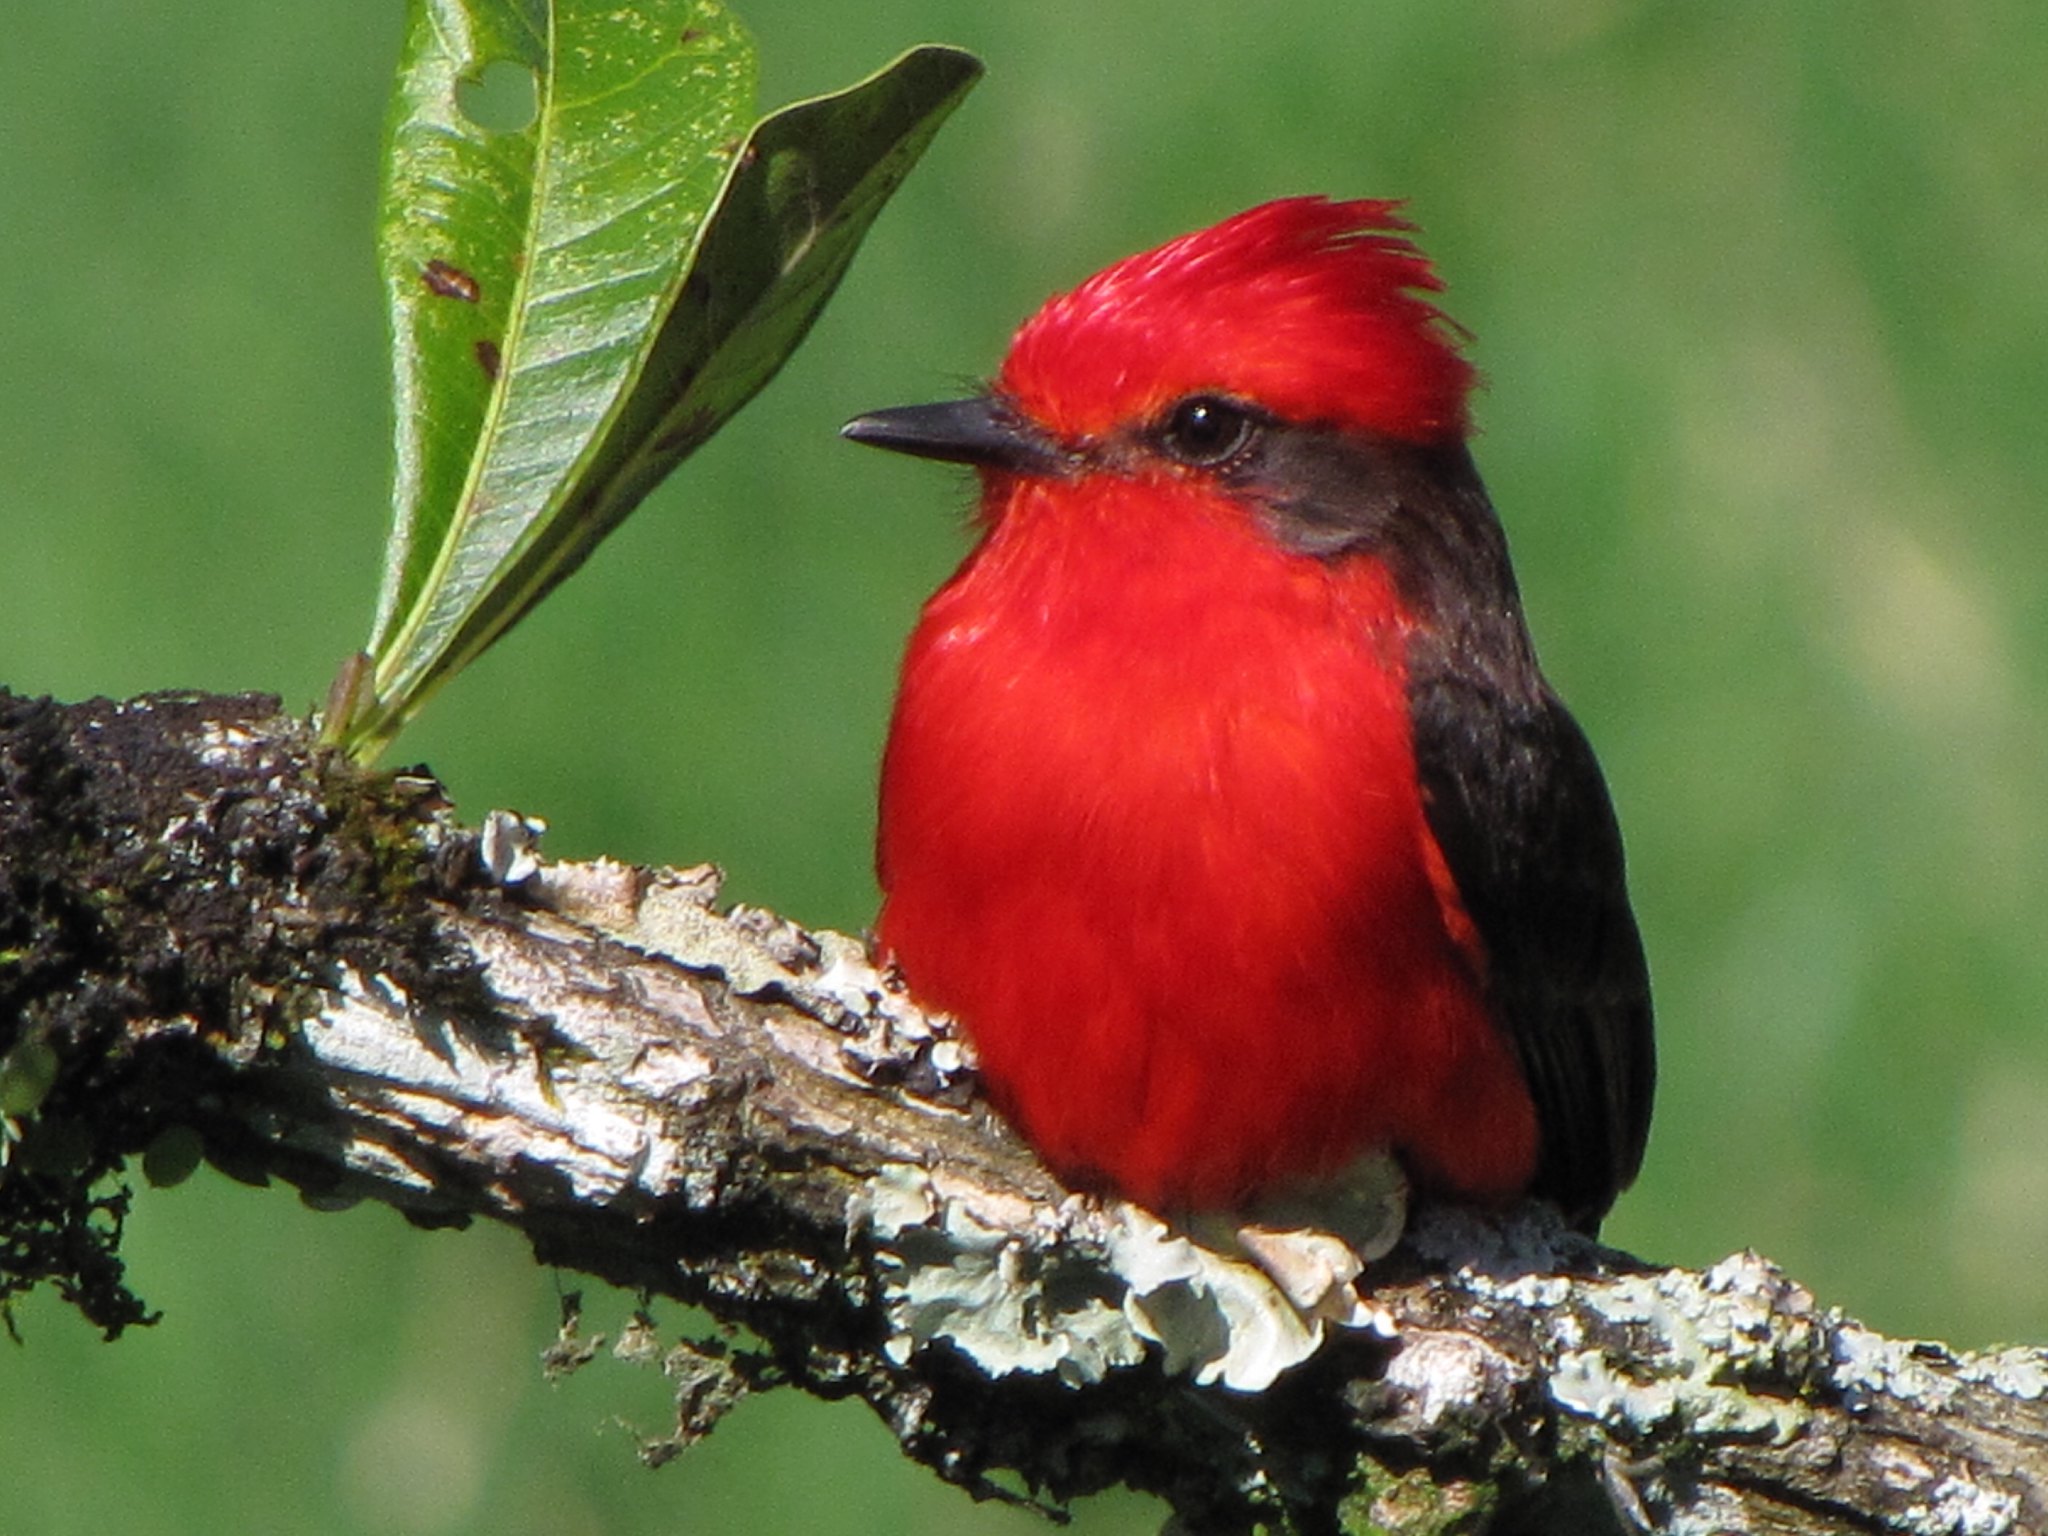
point(503, 98)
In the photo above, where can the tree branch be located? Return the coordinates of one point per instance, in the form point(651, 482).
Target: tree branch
point(215, 936)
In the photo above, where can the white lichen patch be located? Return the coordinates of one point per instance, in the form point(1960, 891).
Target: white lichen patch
point(1219, 1319)
point(2021, 1373)
point(1317, 1271)
point(1722, 1345)
point(1078, 1291)
point(1542, 1291)
point(982, 1288)
point(1585, 1383)
point(1959, 1508)
point(1865, 1363)
point(1363, 1208)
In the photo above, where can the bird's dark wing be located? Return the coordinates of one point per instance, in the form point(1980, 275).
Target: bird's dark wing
point(1511, 788)
point(1518, 806)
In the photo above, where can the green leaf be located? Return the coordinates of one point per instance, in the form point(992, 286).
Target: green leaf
point(578, 304)
point(809, 183)
point(521, 269)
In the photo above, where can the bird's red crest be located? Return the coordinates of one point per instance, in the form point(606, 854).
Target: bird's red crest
point(1316, 310)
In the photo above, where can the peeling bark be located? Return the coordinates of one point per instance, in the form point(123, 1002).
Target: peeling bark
point(214, 936)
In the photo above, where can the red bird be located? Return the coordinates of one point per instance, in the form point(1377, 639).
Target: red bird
point(1224, 803)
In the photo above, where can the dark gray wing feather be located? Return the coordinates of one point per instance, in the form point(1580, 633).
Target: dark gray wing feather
point(1518, 806)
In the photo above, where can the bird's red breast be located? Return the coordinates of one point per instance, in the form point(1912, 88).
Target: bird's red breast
point(1150, 827)
point(1223, 802)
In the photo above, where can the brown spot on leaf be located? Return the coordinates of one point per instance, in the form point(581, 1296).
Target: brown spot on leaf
point(488, 357)
point(450, 281)
point(690, 35)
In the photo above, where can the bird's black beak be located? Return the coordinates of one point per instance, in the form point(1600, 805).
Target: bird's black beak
point(978, 431)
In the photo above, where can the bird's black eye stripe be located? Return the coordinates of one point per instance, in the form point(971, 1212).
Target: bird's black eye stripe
point(1204, 431)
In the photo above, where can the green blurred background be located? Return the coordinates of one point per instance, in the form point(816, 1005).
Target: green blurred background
point(1762, 292)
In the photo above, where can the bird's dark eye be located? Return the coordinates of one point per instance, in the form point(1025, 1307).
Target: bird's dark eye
point(1205, 431)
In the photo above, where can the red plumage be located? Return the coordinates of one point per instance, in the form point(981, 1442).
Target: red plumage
point(1315, 309)
point(1152, 820)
